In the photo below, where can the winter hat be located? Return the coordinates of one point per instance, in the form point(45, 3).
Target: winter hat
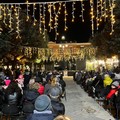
point(54, 92)
point(7, 82)
point(115, 83)
point(20, 76)
point(43, 103)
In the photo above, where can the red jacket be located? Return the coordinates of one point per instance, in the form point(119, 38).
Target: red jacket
point(112, 92)
point(41, 89)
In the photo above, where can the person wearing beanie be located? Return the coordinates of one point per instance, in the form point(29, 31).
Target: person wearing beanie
point(114, 89)
point(57, 105)
point(43, 109)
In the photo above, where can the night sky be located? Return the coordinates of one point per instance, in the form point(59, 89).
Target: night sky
point(78, 31)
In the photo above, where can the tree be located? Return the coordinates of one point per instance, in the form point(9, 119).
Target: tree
point(109, 45)
point(30, 35)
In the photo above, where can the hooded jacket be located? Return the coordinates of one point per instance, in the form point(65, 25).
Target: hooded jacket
point(107, 80)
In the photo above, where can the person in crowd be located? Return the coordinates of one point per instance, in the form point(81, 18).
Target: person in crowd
point(38, 76)
point(53, 81)
point(114, 89)
point(27, 77)
point(29, 97)
point(111, 96)
point(57, 105)
point(62, 117)
point(63, 85)
point(12, 93)
point(37, 86)
point(107, 80)
point(8, 73)
point(48, 84)
point(17, 73)
point(43, 109)
point(98, 85)
point(12, 98)
point(2, 75)
point(6, 83)
point(20, 81)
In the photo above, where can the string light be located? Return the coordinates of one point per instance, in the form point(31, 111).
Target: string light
point(10, 18)
point(44, 29)
point(1, 12)
point(112, 16)
point(65, 17)
point(17, 14)
point(97, 17)
point(50, 18)
point(82, 11)
point(56, 13)
point(105, 10)
point(92, 15)
point(40, 18)
point(101, 8)
point(4, 14)
point(34, 19)
point(73, 9)
point(0, 18)
point(27, 11)
point(102, 11)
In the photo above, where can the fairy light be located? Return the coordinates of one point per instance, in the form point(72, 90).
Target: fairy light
point(50, 18)
point(56, 13)
point(73, 11)
point(56, 20)
point(10, 18)
point(101, 10)
point(92, 15)
point(1, 18)
point(34, 19)
point(44, 30)
point(17, 14)
point(40, 18)
point(65, 17)
point(4, 14)
point(112, 16)
point(1, 12)
point(105, 10)
point(27, 11)
point(97, 17)
point(82, 11)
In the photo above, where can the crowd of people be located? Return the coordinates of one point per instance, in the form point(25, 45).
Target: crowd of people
point(102, 86)
point(32, 96)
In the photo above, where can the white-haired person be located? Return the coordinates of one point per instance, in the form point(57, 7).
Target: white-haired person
point(62, 117)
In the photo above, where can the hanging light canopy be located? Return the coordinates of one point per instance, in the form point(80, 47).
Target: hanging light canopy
point(98, 12)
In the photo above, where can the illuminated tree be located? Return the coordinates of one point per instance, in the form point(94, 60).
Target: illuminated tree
point(30, 36)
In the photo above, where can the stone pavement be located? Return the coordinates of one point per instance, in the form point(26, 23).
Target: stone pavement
point(79, 106)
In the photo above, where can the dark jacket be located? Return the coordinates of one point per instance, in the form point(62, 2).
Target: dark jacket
point(30, 95)
point(58, 107)
point(13, 98)
point(36, 116)
point(28, 100)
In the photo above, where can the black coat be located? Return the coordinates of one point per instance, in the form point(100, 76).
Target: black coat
point(58, 107)
point(30, 95)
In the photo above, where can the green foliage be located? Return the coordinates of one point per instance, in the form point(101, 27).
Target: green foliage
point(107, 44)
point(29, 33)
